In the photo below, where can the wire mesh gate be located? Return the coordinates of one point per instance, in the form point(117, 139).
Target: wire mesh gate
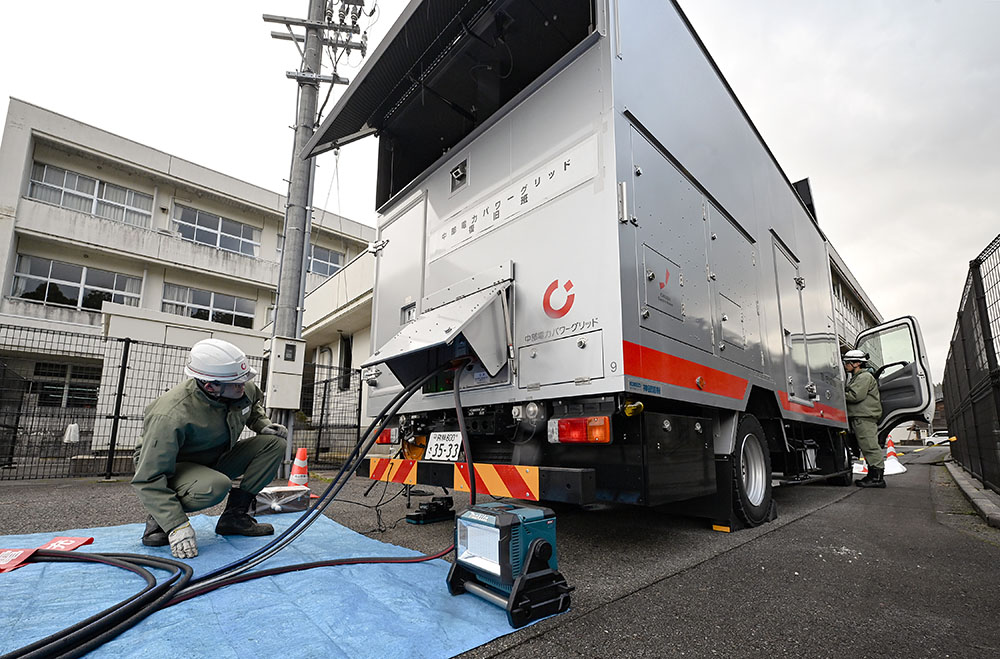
point(972, 371)
point(72, 404)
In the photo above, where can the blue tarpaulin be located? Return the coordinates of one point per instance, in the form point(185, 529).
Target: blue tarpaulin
point(346, 611)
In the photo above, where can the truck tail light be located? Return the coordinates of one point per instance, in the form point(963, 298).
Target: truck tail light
point(581, 430)
point(388, 436)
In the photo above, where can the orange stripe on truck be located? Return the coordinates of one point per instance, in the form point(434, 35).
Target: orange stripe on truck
point(818, 410)
point(514, 481)
point(650, 364)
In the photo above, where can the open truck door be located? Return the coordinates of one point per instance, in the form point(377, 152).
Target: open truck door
point(896, 352)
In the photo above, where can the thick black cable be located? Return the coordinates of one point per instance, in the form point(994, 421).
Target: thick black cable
point(46, 556)
point(307, 517)
point(464, 433)
point(87, 634)
point(162, 598)
point(197, 589)
point(98, 633)
point(331, 492)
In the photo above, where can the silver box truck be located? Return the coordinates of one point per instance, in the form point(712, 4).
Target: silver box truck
point(574, 204)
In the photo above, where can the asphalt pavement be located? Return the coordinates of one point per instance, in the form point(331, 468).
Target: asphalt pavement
point(910, 570)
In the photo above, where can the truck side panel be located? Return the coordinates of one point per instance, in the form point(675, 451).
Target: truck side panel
point(667, 88)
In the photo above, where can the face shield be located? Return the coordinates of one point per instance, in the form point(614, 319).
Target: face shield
point(222, 390)
point(230, 390)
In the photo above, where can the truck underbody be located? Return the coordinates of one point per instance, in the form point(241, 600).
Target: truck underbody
point(658, 453)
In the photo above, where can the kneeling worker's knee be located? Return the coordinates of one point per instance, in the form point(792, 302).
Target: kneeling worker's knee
point(272, 445)
point(204, 492)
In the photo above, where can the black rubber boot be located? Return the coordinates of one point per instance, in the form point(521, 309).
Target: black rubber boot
point(877, 480)
point(154, 536)
point(864, 482)
point(236, 519)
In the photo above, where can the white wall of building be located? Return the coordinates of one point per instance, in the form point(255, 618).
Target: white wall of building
point(48, 232)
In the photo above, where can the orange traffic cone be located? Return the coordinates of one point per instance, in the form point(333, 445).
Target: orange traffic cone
point(300, 470)
point(860, 466)
point(892, 463)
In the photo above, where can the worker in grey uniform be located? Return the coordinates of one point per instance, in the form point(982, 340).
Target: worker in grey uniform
point(864, 409)
point(190, 451)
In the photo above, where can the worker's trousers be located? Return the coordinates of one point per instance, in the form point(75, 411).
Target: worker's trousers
point(204, 483)
point(865, 429)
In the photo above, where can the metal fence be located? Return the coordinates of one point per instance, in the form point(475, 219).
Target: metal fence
point(329, 416)
point(972, 371)
point(72, 404)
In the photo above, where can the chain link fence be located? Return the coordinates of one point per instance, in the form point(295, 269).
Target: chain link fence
point(330, 415)
point(972, 372)
point(72, 404)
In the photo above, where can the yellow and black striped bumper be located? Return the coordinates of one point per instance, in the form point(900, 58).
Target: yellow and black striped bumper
point(526, 482)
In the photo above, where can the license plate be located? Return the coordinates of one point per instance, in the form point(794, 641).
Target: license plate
point(443, 446)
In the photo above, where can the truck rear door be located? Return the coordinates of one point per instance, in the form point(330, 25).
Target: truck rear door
point(896, 352)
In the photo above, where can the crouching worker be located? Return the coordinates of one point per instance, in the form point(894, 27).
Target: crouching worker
point(188, 454)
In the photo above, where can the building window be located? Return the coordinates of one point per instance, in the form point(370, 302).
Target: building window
point(323, 261)
point(70, 285)
point(215, 231)
point(90, 195)
point(66, 385)
point(206, 305)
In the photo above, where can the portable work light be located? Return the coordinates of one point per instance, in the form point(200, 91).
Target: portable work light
point(506, 554)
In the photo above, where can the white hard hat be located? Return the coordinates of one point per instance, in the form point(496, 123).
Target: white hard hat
point(215, 360)
point(855, 356)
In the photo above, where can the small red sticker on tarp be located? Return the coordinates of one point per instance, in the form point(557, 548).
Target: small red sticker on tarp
point(13, 558)
point(66, 543)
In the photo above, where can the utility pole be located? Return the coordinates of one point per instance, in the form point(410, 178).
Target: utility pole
point(298, 209)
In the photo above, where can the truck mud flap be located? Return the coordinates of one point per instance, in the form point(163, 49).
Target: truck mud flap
point(717, 508)
point(526, 482)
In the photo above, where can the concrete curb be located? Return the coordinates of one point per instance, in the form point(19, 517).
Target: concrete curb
point(986, 502)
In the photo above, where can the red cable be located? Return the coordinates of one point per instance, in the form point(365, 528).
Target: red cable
point(308, 566)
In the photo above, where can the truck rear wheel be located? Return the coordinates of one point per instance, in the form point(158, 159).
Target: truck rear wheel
point(751, 472)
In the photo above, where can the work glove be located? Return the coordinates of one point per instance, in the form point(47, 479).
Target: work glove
point(274, 429)
point(182, 543)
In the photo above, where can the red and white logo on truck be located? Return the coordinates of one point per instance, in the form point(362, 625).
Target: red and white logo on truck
point(558, 312)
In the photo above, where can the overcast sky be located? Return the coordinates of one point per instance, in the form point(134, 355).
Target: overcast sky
point(890, 108)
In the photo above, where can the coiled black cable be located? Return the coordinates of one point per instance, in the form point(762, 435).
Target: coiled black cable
point(90, 633)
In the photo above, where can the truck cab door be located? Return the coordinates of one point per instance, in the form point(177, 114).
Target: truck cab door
point(896, 352)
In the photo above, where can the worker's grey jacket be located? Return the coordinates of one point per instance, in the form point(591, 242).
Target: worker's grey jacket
point(862, 396)
point(185, 425)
